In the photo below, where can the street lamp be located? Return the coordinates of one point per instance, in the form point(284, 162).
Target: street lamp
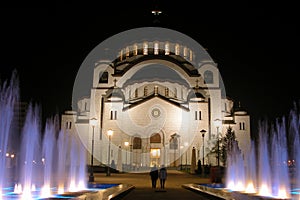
point(126, 145)
point(203, 133)
point(218, 123)
point(109, 133)
point(93, 123)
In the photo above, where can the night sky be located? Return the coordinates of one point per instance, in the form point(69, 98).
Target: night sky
point(255, 44)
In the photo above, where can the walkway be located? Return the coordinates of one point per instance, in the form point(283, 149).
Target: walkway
point(143, 189)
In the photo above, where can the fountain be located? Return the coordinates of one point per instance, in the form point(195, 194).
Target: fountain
point(47, 163)
point(269, 171)
point(270, 177)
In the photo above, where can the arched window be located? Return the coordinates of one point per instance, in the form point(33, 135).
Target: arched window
point(191, 55)
point(135, 49)
point(208, 77)
point(177, 49)
point(166, 92)
point(103, 77)
point(145, 48)
point(156, 48)
point(175, 92)
point(242, 125)
point(185, 52)
point(127, 51)
point(137, 143)
point(173, 143)
point(167, 49)
point(113, 115)
point(145, 91)
point(136, 93)
point(155, 138)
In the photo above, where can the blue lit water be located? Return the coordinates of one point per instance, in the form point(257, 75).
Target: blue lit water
point(8, 192)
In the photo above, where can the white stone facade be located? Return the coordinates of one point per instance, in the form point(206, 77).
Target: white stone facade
point(156, 98)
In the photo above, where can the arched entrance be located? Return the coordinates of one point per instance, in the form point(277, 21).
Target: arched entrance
point(155, 149)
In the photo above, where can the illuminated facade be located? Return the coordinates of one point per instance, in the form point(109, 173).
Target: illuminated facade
point(156, 98)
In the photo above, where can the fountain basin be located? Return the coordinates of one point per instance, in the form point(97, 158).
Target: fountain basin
point(218, 191)
point(106, 194)
point(94, 191)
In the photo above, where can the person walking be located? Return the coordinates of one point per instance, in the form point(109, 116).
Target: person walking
point(154, 176)
point(162, 176)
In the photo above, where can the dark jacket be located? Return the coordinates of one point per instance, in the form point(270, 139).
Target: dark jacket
point(163, 173)
point(154, 173)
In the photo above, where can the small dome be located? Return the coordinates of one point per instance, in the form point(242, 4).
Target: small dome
point(196, 96)
point(115, 94)
point(240, 110)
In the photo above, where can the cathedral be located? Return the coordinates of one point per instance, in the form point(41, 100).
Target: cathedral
point(158, 101)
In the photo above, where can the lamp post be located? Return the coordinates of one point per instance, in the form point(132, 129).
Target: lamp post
point(93, 123)
point(218, 124)
point(109, 133)
point(203, 134)
point(126, 145)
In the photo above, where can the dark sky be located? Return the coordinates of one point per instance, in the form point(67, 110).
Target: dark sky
point(256, 45)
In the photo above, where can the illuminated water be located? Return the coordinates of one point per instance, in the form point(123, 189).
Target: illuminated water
point(273, 170)
point(45, 161)
point(8, 193)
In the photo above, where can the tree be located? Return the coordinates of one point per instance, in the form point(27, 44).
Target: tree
point(227, 144)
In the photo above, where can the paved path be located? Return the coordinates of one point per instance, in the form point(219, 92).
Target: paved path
point(143, 190)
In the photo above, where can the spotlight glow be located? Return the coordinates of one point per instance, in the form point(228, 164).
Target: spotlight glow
point(264, 190)
point(282, 193)
point(45, 191)
point(239, 186)
point(250, 188)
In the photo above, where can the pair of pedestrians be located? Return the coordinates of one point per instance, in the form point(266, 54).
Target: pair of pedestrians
point(160, 174)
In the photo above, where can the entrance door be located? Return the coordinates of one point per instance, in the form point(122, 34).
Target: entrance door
point(154, 157)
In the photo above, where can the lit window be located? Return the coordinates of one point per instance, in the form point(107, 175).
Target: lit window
point(191, 55)
point(155, 90)
point(155, 48)
point(167, 49)
point(177, 49)
point(185, 50)
point(135, 49)
point(127, 51)
point(155, 153)
point(145, 48)
point(121, 55)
